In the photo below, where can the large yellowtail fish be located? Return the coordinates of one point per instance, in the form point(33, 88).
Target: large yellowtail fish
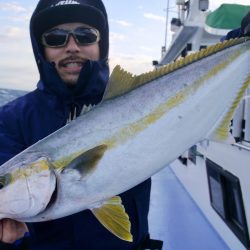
point(144, 123)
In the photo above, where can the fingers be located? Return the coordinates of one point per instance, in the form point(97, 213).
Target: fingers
point(9, 234)
point(11, 230)
point(8, 231)
point(1, 230)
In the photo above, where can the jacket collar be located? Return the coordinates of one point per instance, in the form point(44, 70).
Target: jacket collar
point(89, 88)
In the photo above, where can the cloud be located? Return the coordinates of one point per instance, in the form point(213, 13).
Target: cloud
point(12, 7)
point(17, 73)
point(14, 32)
point(116, 37)
point(128, 62)
point(15, 12)
point(146, 49)
point(10, 33)
point(19, 18)
point(122, 23)
point(154, 17)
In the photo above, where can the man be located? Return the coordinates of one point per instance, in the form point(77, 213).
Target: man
point(70, 40)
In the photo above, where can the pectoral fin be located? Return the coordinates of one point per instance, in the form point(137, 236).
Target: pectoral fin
point(87, 161)
point(112, 215)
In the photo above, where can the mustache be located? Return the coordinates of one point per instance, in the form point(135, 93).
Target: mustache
point(72, 58)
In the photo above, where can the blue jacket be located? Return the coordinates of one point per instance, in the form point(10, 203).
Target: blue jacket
point(241, 31)
point(34, 116)
point(30, 118)
point(232, 34)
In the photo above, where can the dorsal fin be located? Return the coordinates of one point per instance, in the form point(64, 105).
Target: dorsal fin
point(121, 81)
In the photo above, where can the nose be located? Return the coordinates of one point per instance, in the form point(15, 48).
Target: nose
point(72, 45)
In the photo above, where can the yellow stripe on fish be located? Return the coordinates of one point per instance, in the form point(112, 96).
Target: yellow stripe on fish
point(138, 126)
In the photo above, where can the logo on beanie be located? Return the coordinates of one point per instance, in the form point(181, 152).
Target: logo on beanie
point(66, 2)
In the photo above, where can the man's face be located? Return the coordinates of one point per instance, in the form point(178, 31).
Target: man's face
point(71, 58)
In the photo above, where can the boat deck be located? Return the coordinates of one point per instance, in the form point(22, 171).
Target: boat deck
point(176, 219)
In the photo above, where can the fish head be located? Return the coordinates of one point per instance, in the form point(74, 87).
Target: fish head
point(27, 189)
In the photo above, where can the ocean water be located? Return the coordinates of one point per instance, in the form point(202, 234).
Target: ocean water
point(7, 95)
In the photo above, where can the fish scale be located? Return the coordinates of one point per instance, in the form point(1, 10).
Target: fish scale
point(143, 123)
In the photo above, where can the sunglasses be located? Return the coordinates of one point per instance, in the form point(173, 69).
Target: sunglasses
point(59, 37)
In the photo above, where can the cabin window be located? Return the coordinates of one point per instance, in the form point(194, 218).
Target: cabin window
point(226, 199)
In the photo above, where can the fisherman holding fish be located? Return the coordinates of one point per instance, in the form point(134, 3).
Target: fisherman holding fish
point(70, 40)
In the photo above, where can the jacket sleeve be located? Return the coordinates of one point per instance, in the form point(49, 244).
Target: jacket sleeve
point(243, 30)
point(11, 141)
point(232, 34)
point(245, 25)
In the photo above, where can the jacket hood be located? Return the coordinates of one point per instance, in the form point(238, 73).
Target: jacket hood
point(94, 75)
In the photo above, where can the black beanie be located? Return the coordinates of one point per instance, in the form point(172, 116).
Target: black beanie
point(50, 13)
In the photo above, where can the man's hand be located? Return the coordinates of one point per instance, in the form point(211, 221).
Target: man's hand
point(11, 230)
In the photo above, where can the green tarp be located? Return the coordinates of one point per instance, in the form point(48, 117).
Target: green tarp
point(227, 16)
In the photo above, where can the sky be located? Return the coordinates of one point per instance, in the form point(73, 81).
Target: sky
point(137, 33)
